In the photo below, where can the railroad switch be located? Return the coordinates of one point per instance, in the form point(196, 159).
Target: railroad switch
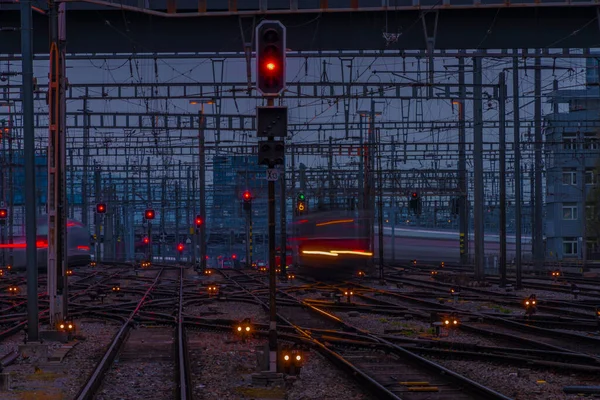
point(531, 305)
point(348, 293)
point(66, 326)
point(116, 289)
point(212, 290)
point(291, 360)
point(244, 329)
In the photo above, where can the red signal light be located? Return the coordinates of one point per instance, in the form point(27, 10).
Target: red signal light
point(3, 213)
point(234, 256)
point(247, 196)
point(180, 247)
point(199, 220)
point(271, 66)
point(146, 240)
point(149, 214)
point(414, 195)
point(101, 208)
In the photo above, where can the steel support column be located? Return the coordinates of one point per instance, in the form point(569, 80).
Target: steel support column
point(502, 173)
point(538, 238)
point(463, 211)
point(57, 202)
point(29, 159)
point(479, 203)
point(517, 164)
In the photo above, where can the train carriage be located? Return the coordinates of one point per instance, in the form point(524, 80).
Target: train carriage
point(333, 243)
point(78, 246)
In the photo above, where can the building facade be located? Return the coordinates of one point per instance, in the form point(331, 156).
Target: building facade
point(572, 156)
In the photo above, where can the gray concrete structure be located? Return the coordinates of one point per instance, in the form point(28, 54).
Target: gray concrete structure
point(572, 152)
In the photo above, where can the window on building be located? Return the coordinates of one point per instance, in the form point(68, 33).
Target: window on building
point(591, 178)
point(570, 211)
point(570, 246)
point(590, 212)
point(569, 141)
point(590, 141)
point(569, 176)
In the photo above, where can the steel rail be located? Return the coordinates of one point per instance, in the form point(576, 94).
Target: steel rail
point(184, 388)
point(93, 383)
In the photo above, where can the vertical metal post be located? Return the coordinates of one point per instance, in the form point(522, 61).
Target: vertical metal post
point(371, 177)
point(330, 173)
point(380, 213)
point(202, 182)
point(57, 202)
point(283, 225)
point(86, 155)
point(126, 210)
point(177, 239)
point(11, 196)
point(163, 203)
point(97, 217)
point(272, 272)
point(29, 160)
point(71, 210)
point(149, 198)
point(463, 211)
point(479, 204)
point(178, 212)
point(581, 139)
point(502, 172)
point(538, 213)
point(108, 221)
point(517, 163)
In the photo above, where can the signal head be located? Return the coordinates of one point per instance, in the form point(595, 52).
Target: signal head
point(414, 195)
point(180, 247)
point(301, 197)
point(149, 214)
point(101, 208)
point(247, 196)
point(199, 220)
point(270, 57)
point(3, 213)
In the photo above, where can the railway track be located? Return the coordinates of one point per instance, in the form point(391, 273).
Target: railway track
point(405, 375)
point(154, 346)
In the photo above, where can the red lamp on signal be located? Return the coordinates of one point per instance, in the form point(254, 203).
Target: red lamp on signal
point(146, 240)
point(3, 213)
point(180, 247)
point(247, 196)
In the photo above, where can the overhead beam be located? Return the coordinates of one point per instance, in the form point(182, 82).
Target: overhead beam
point(502, 26)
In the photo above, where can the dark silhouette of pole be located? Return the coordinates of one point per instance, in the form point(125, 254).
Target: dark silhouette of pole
point(502, 134)
point(29, 160)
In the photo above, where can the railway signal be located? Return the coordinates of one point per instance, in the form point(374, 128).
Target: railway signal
point(415, 203)
point(3, 213)
point(146, 240)
point(300, 203)
point(101, 208)
point(199, 221)
point(270, 57)
point(180, 247)
point(149, 214)
point(247, 199)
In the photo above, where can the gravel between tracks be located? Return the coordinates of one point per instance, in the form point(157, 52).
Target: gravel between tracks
point(64, 380)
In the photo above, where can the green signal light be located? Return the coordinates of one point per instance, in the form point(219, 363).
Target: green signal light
point(301, 197)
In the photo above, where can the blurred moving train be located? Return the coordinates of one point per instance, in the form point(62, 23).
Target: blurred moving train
point(78, 242)
point(331, 243)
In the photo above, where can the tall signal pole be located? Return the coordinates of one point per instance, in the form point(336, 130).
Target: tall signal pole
point(271, 123)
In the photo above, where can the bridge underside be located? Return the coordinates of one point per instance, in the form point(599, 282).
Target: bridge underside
point(112, 30)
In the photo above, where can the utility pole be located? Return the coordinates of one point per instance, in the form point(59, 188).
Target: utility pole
point(517, 171)
point(149, 199)
point(502, 134)
point(86, 156)
point(463, 211)
point(479, 204)
point(108, 221)
point(202, 183)
point(538, 221)
point(380, 215)
point(97, 217)
point(163, 203)
point(57, 201)
point(581, 140)
point(29, 160)
point(283, 226)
